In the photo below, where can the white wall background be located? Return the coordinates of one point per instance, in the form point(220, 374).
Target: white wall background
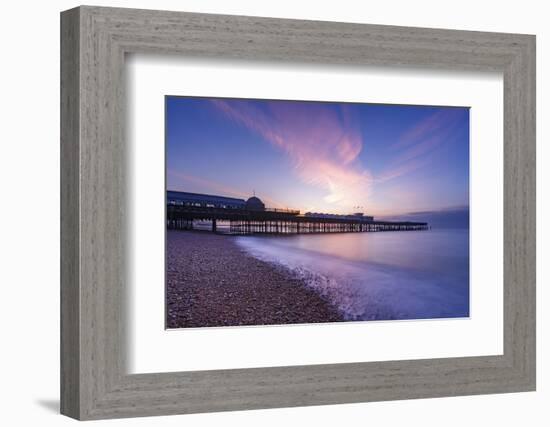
point(29, 238)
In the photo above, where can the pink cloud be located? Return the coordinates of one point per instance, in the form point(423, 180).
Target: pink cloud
point(321, 143)
point(433, 123)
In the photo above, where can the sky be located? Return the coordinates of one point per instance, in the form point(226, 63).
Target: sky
point(383, 160)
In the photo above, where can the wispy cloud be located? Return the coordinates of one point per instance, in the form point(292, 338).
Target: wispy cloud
point(322, 143)
point(415, 146)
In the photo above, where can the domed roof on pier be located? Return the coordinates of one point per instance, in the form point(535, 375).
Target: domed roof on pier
point(255, 204)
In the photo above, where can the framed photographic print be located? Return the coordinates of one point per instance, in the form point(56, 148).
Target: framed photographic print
point(261, 213)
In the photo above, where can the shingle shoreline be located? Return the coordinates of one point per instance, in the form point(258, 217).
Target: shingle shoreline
point(210, 281)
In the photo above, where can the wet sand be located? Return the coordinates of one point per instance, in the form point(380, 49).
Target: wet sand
point(212, 282)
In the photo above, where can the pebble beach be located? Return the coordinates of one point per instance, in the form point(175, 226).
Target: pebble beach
point(211, 282)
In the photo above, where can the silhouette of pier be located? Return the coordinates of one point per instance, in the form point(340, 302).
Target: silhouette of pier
point(252, 217)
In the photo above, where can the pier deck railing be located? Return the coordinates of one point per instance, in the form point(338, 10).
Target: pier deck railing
point(277, 221)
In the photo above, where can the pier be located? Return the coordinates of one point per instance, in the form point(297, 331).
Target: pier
point(252, 217)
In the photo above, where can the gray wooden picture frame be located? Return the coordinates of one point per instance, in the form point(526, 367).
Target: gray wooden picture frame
point(94, 381)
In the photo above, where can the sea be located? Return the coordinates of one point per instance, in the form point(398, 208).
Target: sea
point(391, 275)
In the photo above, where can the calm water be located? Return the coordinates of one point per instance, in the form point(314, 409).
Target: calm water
point(378, 276)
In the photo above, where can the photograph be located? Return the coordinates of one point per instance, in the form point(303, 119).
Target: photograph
point(296, 212)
